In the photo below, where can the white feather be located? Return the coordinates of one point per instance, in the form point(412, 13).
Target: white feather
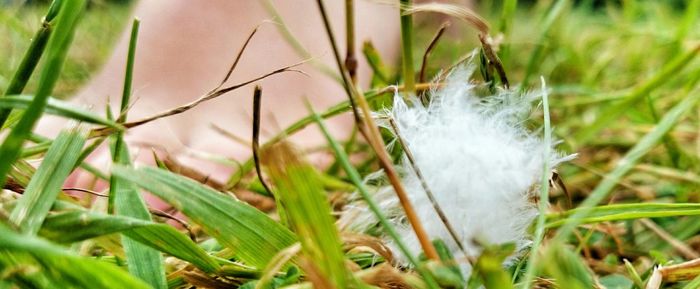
point(477, 157)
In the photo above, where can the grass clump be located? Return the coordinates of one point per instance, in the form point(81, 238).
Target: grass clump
point(622, 93)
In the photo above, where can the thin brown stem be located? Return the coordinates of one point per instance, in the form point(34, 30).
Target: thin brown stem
point(558, 183)
point(407, 48)
point(347, 84)
point(257, 97)
point(182, 223)
point(430, 48)
point(248, 165)
point(14, 186)
point(684, 269)
point(370, 132)
point(350, 56)
point(238, 58)
point(256, 200)
point(441, 214)
point(86, 191)
point(493, 59)
point(679, 246)
point(209, 96)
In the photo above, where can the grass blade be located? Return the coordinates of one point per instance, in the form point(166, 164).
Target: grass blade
point(694, 284)
point(628, 162)
point(58, 45)
point(379, 70)
point(31, 58)
point(543, 202)
point(354, 176)
point(407, 48)
point(547, 23)
point(44, 186)
point(620, 212)
point(609, 113)
point(295, 44)
point(59, 108)
point(566, 268)
point(76, 226)
point(143, 262)
point(234, 224)
point(505, 25)
point(56, 263)
point(305, 202)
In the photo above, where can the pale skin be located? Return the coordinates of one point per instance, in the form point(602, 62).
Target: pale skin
point(185, 49)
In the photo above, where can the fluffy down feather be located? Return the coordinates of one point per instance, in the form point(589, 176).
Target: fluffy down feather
point(479, 160)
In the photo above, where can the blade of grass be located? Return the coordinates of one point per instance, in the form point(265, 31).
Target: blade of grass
point(78, 272)
point(350, 55)
point(354, 176)
point(125, 199)
point(335, 110)
point(689, 18)
point(31, 58)
point(407, 48)
point(566, 267)
point(618, 212)
point(204, 98)
point(547, 23)
point(680, 272)
point(293, 128)
point(628, 162)
point(429, 50)
point(669, 173)
point(257, 103)
point(632, 274)
point(296, 45)
point(489, 266)
point(309, 213)
point(370, 132)
point(58, 46)
point(35, 150)
point(543, 202)
point(375, 62)
point(611, 112)
point(59, 108)
point(695, 283)
point(44, 186)
point(77, 226)
point(234, 224)
point(507, 16)
point(257, 106)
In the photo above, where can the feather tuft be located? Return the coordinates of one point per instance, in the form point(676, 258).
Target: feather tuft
point(477, 157)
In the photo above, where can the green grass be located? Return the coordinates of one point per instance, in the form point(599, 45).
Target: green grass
point(99, 30)
point(623, 93)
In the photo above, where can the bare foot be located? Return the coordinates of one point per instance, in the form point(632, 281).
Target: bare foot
point(185, 49)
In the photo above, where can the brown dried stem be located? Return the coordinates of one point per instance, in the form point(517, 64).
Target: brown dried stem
point(258, 201)
point(257, 95)
point(238, 58)
point(493, 59)
point(182, 223)
point(371, 133)
point(209, 96)
point(475, 21)
point(350, 58)
point(426, 188)
point(679, 246)
point(91, 192)
point(430, 48)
